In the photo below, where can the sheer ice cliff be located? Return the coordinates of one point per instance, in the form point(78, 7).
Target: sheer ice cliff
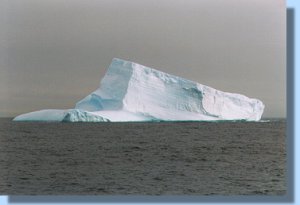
point(133, 92)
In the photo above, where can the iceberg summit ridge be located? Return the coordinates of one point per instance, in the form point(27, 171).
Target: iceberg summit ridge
point(133, 92)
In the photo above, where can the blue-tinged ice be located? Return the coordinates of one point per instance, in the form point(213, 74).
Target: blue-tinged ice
point(133, 92)
point(52, 115)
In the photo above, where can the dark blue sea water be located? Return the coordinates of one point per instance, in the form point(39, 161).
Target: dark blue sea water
point(159, 158)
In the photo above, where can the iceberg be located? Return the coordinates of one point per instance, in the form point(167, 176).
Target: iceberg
point(133, 92)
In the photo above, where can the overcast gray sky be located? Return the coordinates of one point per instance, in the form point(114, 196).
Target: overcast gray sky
point(54, 52)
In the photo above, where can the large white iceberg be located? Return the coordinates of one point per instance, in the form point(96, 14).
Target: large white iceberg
point(133, 92)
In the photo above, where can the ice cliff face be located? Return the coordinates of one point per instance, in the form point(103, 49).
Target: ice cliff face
point(132, 92)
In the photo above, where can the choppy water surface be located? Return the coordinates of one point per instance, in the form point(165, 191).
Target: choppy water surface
point(192, 158)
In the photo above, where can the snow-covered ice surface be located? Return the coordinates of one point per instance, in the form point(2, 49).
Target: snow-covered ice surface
point(133, 92)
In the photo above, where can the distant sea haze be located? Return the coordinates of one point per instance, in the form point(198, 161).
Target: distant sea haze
point(159, 158)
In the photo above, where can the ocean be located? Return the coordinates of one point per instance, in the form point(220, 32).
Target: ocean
point(138, 158)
